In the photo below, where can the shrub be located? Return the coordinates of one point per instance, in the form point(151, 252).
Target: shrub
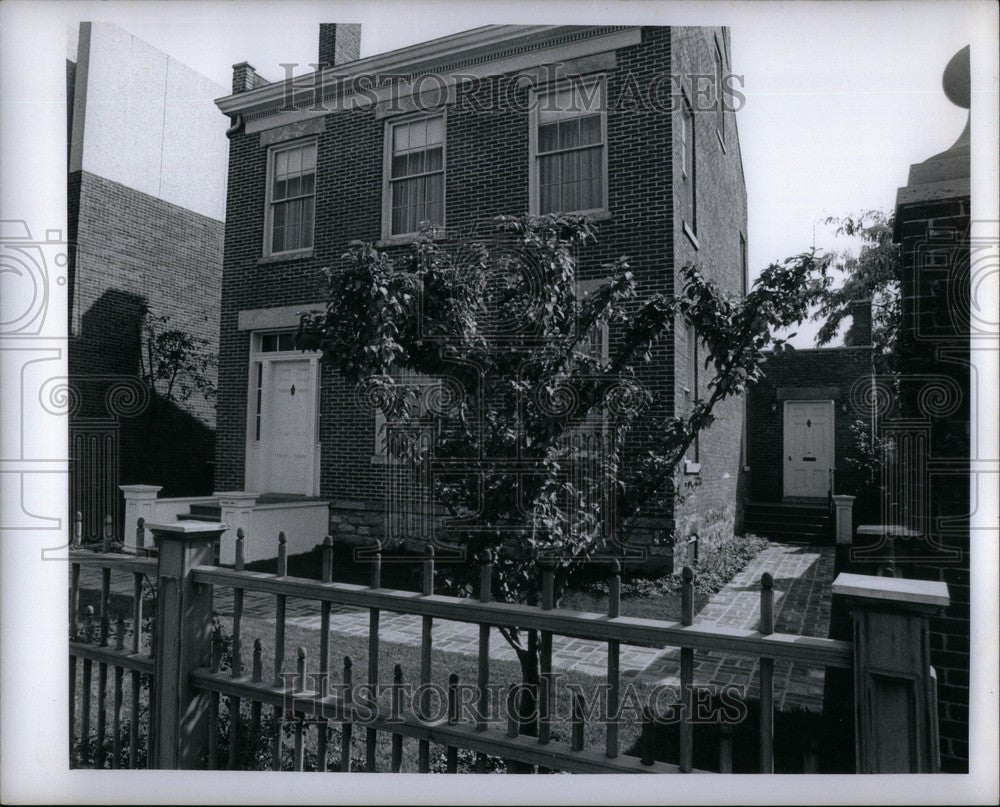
point(712, 571)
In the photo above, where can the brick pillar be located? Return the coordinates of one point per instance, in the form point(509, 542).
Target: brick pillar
point(895, 689)
point(183, 644)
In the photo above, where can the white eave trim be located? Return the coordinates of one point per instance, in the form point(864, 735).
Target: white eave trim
point(490, 50)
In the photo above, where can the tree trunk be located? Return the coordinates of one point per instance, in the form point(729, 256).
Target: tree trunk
point(526, 707)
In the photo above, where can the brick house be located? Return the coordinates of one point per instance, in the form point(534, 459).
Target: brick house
point(146, 194)
point(800, 439)
point(368, 162)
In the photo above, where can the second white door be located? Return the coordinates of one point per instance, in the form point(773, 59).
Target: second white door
point(808, 447)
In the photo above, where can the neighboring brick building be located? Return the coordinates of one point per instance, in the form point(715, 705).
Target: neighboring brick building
point(932, 226)
point(670, 191)
point(146, 192)
point(839, 376)
point(801, 421)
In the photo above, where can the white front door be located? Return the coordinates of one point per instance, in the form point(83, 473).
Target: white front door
point(289, 412)
point(808, 448)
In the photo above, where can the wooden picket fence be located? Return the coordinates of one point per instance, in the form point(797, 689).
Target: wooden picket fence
point(178, 657)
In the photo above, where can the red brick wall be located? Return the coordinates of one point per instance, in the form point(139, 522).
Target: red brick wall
point(487, 174)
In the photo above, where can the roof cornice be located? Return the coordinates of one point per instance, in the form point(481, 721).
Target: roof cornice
point(474, 48)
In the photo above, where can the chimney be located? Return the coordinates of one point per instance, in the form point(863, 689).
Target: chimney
point(860, 332)
point(339, 43)
point(245, 78)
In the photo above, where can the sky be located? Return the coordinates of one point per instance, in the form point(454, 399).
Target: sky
point(840, 97)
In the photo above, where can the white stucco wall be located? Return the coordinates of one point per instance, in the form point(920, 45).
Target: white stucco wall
point(147, 121)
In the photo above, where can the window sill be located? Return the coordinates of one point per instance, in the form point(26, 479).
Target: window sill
point(281, 257)
point(691, 236)
point(439, 234)
point(593, 215)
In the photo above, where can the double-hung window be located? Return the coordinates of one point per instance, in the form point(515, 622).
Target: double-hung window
point(570, 161)
point(291, 197)
point(416, 174)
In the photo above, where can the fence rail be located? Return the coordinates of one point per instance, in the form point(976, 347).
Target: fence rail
point(179, 658)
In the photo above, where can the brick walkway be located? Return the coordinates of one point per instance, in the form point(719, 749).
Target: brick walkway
point(802, 578)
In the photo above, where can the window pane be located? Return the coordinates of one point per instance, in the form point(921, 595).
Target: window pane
point(546, 201)
point(435, 131)
point(434, 213)
point(590, 130)
point(286, 341)
point(281, 164)
point(435, 159)
point(307, 223)
point(400, 138)
point(548, 137)
point(415, 163)
point(309, 158)
point(399, 166)
point(435, 200)
point(418, 134)
point(570, 186)
point(594, 164)
point(569, 133)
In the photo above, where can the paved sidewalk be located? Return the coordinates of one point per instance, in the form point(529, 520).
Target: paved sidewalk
point(802, 578)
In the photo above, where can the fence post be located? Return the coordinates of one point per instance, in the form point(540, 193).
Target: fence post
point(140, 502)
point(894, 688)
point(236, 510)
point(844, 519)
point(183, 643)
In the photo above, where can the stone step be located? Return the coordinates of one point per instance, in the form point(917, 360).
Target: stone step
point(789, 532)
point(192, 517)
